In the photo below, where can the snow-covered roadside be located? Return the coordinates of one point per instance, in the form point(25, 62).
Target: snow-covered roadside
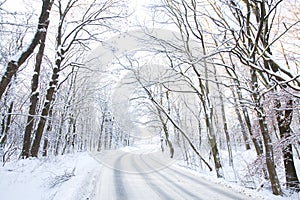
point(68, 177)
point(261, 195)
point(77, 176)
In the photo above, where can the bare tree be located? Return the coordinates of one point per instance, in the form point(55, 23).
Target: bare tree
point(251, 40)
point(14, 64)
point(68, 41)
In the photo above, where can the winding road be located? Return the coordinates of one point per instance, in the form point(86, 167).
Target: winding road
point(146, 174)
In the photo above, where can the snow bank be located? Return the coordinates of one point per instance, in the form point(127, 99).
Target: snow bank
point(68, 177)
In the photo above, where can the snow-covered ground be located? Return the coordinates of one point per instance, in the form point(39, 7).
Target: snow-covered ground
point(67, 177)
point(76, 177)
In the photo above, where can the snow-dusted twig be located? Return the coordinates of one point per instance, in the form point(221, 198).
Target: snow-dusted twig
point(57, 180)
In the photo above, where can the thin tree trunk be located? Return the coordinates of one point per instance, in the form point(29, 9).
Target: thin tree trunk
point(73, 133)
point(6, 125)
point(101, 133)
point(255, 139)
point(225, 126)
point(164, 123)
point(58, 140)
point(165, 128)
point(239, 116)
point(67, 143)
point(45, 146)
point(110, 136)
point(208, 113)
point(105, 136)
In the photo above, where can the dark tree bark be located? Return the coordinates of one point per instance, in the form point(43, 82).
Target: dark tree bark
point(45, 146)
point(74, 135)
point(6, 122)
point(45, 111)
point(34, 98)
point(101, 132)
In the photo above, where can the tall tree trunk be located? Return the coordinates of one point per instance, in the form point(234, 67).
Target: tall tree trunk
point(214, 146)
point(14, 65)
point(276, 188)
point(226, 131)
point(208, 113)
point(45, 112)
point(284, 119)
point(34, 98)
point(164, 122)
point(225, 126)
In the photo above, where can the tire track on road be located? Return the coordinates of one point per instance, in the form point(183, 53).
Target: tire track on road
point(212, 186)
point(173, 184)
point(155, 188)
point(120, 190)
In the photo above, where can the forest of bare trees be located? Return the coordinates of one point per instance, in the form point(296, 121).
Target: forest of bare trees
point(227, 81)
point(51, 46)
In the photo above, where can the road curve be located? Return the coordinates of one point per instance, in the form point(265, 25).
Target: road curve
point(144, 175)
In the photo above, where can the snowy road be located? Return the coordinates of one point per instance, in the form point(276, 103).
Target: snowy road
point(150, 175)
